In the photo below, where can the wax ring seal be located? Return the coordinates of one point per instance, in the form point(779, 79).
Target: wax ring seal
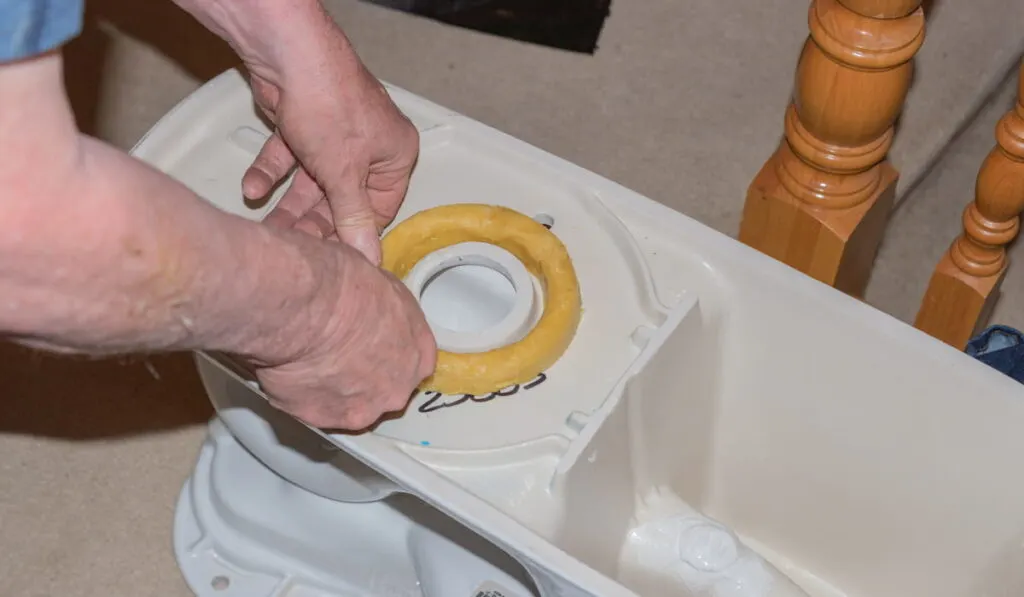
point(538, 249)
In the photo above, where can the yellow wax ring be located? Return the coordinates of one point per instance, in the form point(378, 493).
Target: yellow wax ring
point(540, 251)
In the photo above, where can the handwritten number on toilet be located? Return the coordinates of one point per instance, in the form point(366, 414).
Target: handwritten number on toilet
point(536, 382)
point(437, 401)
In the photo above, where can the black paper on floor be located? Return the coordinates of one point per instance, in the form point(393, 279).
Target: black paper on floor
point(572, 25)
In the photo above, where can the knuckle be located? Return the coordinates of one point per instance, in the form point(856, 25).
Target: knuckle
point(308, 415)
point(398, 400)
point(359, 419)
point(273, 160)
point(413, 134)
point(427, 365)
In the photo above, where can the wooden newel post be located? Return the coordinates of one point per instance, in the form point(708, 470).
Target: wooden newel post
point(821, 202)
point(966, 281)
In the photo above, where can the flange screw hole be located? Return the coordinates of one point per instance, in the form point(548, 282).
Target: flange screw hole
point(544, 220)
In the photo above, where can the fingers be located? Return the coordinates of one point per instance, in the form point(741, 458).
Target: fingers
point(386, 196)
point(327, 412)
point(317, 221)
point(302, 195)
point(271, 165)
point(350, 417)
point(388, 181)
point(428, 355)
point(355, 220)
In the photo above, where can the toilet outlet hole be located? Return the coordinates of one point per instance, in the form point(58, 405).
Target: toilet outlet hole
point(544, 220)
point(467, 298)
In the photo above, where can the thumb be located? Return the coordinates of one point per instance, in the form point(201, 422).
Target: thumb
point(356, 221)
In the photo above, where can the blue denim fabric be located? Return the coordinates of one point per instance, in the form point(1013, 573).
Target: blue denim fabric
point(1001, 348)
point(31, 27)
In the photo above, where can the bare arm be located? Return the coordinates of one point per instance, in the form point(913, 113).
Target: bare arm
point(272, 36)
point(99, 252)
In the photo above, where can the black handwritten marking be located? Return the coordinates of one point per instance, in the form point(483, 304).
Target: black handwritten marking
point(435, 400)
point(427, 406)
point(432, 403)
point(509, 391)
point(536, 382)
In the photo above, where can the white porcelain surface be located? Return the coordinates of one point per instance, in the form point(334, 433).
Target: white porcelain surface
point(850, 452)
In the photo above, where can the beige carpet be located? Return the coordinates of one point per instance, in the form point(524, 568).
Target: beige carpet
point(682, 102)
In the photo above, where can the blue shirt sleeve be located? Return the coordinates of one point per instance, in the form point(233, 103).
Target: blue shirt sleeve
point(32, 27)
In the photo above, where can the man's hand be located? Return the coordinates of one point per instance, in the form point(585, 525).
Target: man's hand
point(354, 152)
point(351, 148)
point(103, 254)
point(364, 361)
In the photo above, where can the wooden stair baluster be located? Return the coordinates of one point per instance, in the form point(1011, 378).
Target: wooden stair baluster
point(965, 284)
point(821, 202)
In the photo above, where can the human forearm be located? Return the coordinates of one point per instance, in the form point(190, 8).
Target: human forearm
point(272, 35)
point(100, 253)
point(137, 262)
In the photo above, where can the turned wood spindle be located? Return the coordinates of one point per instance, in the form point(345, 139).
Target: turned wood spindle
point(965, 284)
point(821, 202)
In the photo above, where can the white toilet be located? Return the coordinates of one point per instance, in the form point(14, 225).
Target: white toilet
point(721, 426)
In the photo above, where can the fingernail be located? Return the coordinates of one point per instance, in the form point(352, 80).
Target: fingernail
point(256, 183)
